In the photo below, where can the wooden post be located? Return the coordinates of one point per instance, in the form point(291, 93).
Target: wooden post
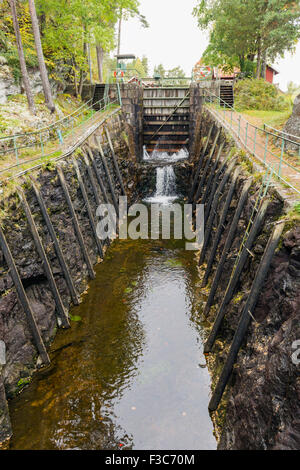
point(115, 161)
point(39, 246)
point(220, 227)
point(227, 246)
point(199, 166)
point(98, 176)
point(88, 206)
point(59, 253)
point(236, 275)
point(75, 222)
point(110, 184)
point(208, 162)
point(246, 315)
point(13, 271)
point(214, 188)
point(208, 227)
point(212, 173)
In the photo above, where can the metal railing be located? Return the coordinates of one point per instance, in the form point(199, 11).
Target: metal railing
point(256, 140)
point(48, 141)
point(288, 138)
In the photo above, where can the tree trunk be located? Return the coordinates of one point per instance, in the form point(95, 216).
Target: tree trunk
point(100, 57)
point(258, 66)
point(90, 63)
point(119, 33)
point(75, 76)
point(242, 63)
point(40, 56)
point(25, 77)
point(264, 65)
point(82, 73)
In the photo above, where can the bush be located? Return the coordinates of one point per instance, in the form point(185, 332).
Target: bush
point(259, 94)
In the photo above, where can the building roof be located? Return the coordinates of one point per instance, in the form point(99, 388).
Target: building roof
point(272, 68)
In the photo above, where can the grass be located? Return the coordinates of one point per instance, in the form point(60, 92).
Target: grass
point(276, 119)
point(32, 156)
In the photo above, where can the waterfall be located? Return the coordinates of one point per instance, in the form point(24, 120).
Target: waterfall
point(165, 181)
point(165, 186)
point(165, 177)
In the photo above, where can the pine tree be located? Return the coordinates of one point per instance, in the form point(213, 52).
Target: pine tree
point(40, 56)
point(24, 72)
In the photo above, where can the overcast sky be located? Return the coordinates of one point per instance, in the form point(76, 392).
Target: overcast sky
point(174, 38)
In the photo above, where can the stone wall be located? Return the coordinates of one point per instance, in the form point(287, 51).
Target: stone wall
point(260, 408)
point(9, 86)
point(21, 354)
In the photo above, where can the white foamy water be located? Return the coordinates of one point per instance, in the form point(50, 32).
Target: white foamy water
point(157, 156)
point(165, 186)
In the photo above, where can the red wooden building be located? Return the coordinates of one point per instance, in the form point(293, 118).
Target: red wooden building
point(270, 73)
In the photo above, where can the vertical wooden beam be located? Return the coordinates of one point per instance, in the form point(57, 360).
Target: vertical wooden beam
point(199, 166)
point(220, 227)
point(93, 184)
point(245, 318)
point(110, 184)
point(209, 225)
point(59, 253)
point(208, 162)
point(115, 162)
point(13, 271)
point(236, 275)
point(88, 206)
point(228, 243)
point(213, 190)
point(75, 222)
point(62, 315)
point(98, 176)
point(212, 173)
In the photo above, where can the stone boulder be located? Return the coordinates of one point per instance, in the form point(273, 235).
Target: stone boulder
point(292, 126)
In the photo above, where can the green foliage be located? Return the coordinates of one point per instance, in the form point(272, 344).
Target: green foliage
point(258, 94)
point(66, 29)
point(241, 30)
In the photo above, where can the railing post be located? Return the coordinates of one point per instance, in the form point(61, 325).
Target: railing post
point(254, 145)
point(16, 149)
point(42, 144)
point(281, 156)
point(266, 147)
point(246, 136)
point(239, 131)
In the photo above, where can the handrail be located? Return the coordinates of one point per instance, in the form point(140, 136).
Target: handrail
point(285, 133)
point(42, 129)
point(244, 136)
point(60, 140)
point(68, 152)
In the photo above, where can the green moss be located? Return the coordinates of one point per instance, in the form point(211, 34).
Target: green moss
point(23, 382)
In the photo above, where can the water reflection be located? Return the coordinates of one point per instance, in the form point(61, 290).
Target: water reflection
point(128, 373)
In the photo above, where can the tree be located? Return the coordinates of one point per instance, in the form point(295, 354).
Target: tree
point(243, 30)
point(40, 56)
point(145, 63)
point(160, 70)
point(127, 9)
point(25, 77)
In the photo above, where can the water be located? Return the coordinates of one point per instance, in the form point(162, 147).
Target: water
point(131, 373)
point(165, 186)
point(165, 157)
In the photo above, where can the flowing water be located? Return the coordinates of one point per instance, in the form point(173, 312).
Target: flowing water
point(130, 373)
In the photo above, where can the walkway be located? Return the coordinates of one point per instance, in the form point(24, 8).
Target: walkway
point(262, 146)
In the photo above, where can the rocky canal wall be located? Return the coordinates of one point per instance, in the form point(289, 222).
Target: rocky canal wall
point(22, 357)
point(260, 407)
